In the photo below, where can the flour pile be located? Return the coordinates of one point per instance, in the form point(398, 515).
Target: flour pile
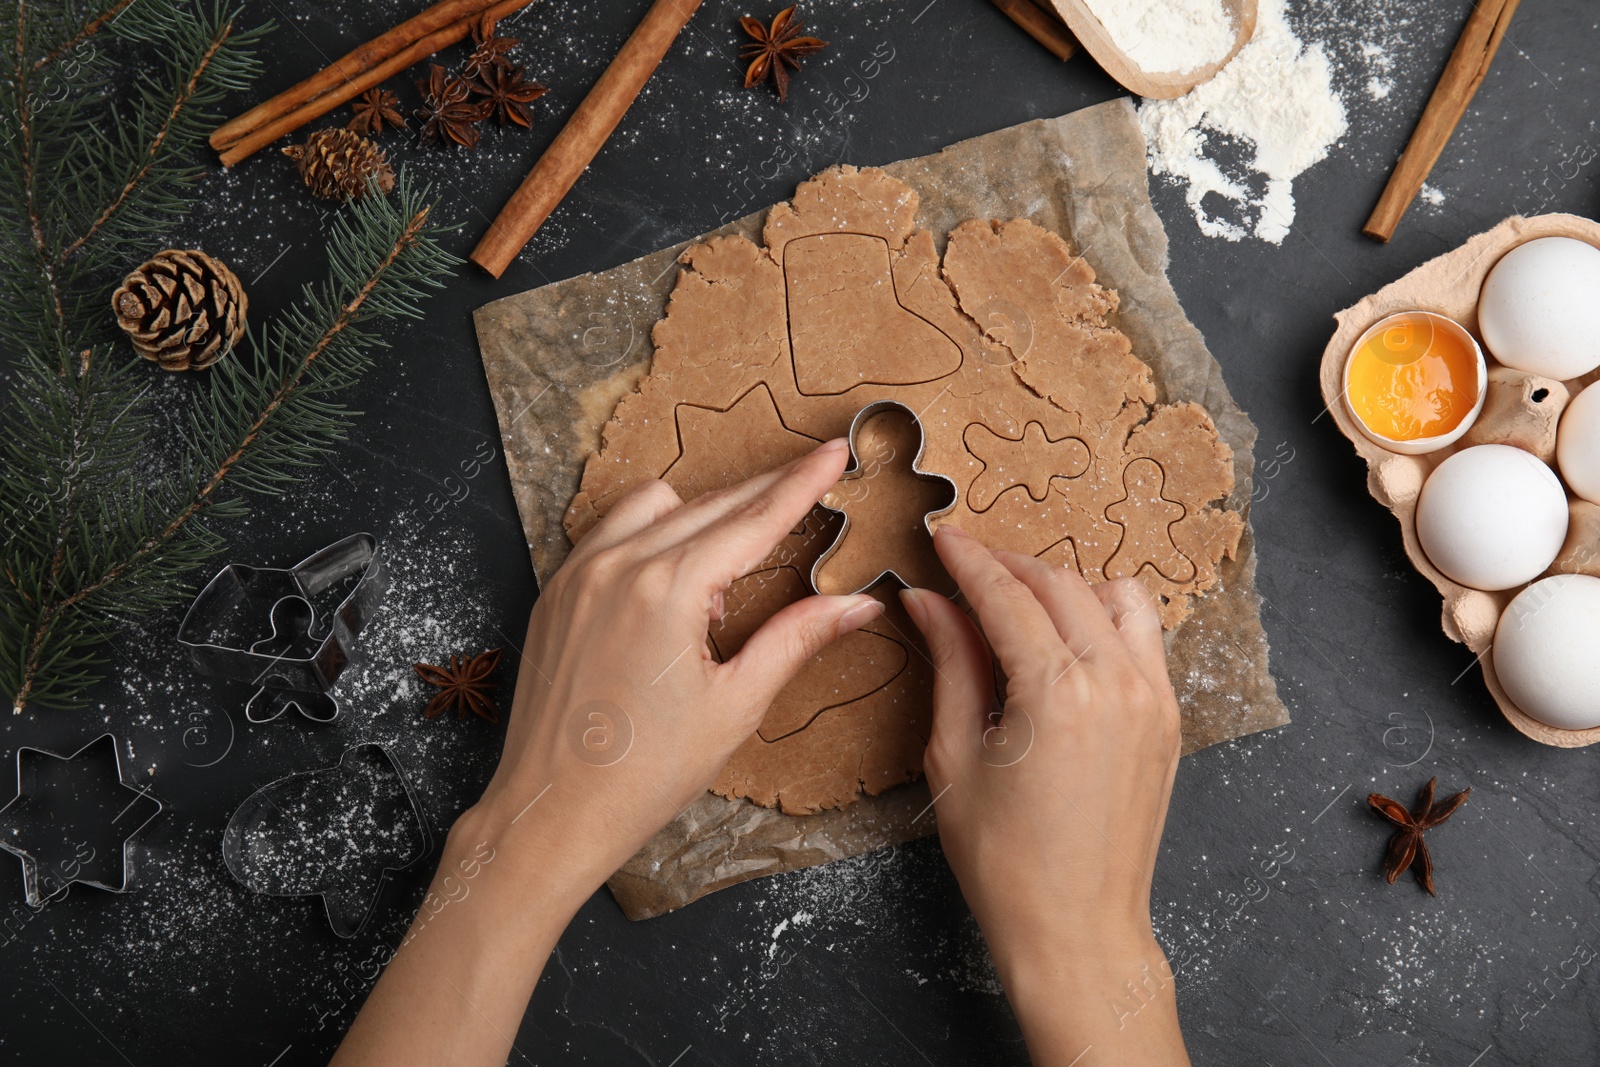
point(1276, 96)
point(1167, 35)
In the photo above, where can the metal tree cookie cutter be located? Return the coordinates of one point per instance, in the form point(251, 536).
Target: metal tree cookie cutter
point(857, 471)
point(42, 808)
point(336, 832)
point(298, 662)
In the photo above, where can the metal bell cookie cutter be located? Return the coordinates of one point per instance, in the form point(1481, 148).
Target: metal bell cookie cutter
point(44, 809)
point(336, 832)
point(314, 609)
point(856, 470)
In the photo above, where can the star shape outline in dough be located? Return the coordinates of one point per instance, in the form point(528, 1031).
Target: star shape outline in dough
point(746, 463)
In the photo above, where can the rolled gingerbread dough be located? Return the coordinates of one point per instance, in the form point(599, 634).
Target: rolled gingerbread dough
point(561, 357)
point(1026, 397)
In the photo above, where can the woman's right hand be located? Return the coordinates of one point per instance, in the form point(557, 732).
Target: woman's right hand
point(1051, 805)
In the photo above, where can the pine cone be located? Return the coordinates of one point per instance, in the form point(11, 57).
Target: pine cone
point(336, 163)
point(181, 309)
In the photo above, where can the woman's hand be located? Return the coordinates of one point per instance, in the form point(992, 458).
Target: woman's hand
point(621, 711)
point(621, 719)
point(1051, 806)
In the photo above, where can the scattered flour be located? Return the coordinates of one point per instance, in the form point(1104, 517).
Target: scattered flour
point(1167, 35)
point(1277, 95)
point(1381, 83)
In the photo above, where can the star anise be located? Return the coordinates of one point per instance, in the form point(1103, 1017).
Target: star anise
point(508, 94)
point(448, 111)
point(464, 685)
point(489, 51)
point(776, 48)
point(1406, 847)
point(375, 109)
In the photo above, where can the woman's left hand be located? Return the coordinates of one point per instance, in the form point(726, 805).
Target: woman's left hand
point(621, 718)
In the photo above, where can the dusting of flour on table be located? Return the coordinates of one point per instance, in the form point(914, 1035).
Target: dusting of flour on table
point(1167, 35)
point(1277, 95)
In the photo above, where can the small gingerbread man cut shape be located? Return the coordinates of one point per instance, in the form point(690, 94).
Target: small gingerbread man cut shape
point(1146, 518)
point(1031, 461)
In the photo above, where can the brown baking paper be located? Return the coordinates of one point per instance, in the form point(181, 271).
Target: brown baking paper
point(558, 359)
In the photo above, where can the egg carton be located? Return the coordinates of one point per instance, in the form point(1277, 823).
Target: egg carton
point(1449, 285)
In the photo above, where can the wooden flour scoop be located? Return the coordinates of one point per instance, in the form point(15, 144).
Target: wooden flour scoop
point(1158, 85)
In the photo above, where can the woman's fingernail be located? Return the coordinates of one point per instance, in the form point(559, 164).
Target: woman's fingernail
point(952, 529)
point(912, 599)
point(838, 444)
point(859, 615)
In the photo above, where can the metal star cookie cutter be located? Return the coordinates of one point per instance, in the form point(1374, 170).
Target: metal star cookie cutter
point(275, 846)
point(297, 664)
point(856, 470)
point(39, 890)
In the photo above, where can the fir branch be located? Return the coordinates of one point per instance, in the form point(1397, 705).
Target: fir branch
point(85, 177)
point(84, 32)
point(89, 535)
point(52, 477)
point(61, 167)
point(29, 178)
point(413, 235)
point(267, 416)
point(152, 153)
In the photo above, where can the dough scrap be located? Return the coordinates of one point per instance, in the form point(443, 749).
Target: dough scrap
point(1030, 399)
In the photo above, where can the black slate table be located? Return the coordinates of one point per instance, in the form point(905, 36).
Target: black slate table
point(1268, 896)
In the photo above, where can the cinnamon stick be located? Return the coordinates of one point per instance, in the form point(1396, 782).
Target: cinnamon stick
point(1468, 65)
point(585, 132)
point(353, 64)
point(305, 112)
point(1042, 26)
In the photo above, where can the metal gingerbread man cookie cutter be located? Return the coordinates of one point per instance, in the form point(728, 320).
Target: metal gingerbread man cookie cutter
point(858, 470)
point(299, 662)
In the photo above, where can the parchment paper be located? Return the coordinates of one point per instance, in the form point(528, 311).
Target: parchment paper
point(559, 357)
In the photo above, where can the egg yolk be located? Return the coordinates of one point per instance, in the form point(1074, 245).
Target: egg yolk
point(1413, 379)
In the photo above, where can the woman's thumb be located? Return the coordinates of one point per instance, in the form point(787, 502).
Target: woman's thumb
point(783, 644)
point(963, 683)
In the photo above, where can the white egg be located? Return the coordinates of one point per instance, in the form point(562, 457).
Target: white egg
point(1547, 651)
point(1578, 444)
point(1492, 516)
point(1539, 310)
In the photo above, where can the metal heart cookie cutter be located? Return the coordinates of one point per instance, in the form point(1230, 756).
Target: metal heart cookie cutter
point(859, 471)
point(335, 832)
point(59, 829)
point(312, 611)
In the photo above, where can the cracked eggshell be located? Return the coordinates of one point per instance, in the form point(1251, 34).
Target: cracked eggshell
point(1418, 446)
point(1547, 651)
point(1539, 309)
point(1578, 442)
point(1492, 517)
